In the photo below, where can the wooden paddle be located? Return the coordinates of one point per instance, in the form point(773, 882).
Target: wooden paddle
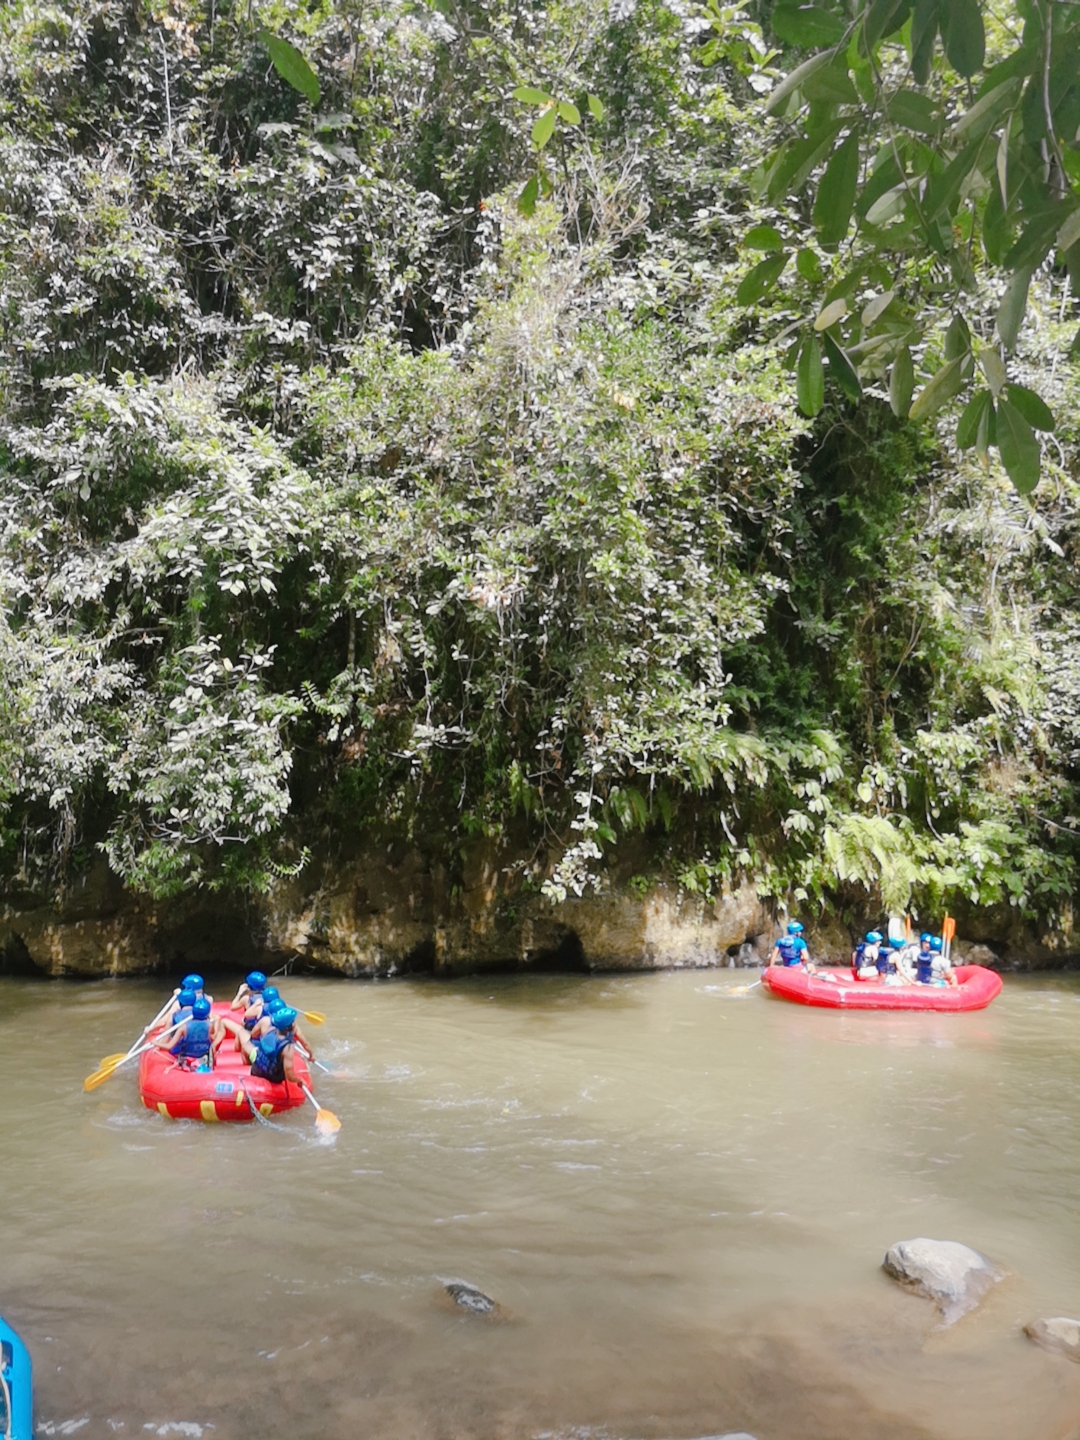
point(326, 1122)
point(104, 1071)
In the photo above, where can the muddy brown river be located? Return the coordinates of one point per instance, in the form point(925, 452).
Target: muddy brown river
point(678, 1191)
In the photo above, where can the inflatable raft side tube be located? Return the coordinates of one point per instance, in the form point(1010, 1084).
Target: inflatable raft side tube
point(19, 1384)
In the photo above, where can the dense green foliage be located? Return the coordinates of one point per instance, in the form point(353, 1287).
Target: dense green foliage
point(335, 490)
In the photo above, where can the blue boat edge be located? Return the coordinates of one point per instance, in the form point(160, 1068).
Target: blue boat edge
point(18, 1376)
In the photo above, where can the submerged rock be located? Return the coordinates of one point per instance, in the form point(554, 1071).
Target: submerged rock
point(1060, 1335)
point(954, 1276)
point(470, 1298)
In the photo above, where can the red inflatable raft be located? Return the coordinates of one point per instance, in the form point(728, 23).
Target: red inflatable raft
point(837, 990)
point(228, 1092)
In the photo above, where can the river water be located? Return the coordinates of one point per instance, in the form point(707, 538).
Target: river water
point(679, 1192)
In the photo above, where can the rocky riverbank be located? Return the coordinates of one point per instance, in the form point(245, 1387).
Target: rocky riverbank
point(396, 908)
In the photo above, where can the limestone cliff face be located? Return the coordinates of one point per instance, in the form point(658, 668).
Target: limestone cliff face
point(394, 910)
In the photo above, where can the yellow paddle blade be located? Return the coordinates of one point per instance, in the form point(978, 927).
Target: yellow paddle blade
point(326, 1122)
point(113, 1059)
point(314, 1016)
point(98, 1078)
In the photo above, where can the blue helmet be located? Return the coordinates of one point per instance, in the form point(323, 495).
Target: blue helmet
point(935, 943)
point(284, 1019)
point(873, 937)
point(925, 938)
point(269, 994)
point(201, 1009)
point(794, 928)
point(256, 980)
point(186, 999)
point(191, 982)
point(897, 942)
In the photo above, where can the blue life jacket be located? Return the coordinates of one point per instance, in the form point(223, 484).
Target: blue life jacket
point(195, 1043)
point(885, 964)
point(268, 1064)
point(184, 1013)
point(924, 967)
point(791, 949)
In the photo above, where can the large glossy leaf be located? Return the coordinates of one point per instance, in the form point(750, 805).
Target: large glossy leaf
point(1037, 240)
point(943, 191)
point(938, 390)
point(1019, 449)
point(531, 96)
point(986, 434)
point(1011, 310)
point(1033, 407)
point(841, 368)
point(810, 377)
point(1069, 233)
point(967, 429)
point(832, 312)
point(963, 35)
point(763, 237)
point(544, 128)
point(924, 28)
point(901, 383)
point(291, 66)
point(795, 80)
point(883, 17)
point(808, 26)
point(916, 112)
point(831, 86)
point(836, 193)
point(987, 112)
point(761, 279)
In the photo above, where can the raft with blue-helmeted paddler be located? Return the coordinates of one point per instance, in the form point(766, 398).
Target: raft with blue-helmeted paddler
point(228, 1091)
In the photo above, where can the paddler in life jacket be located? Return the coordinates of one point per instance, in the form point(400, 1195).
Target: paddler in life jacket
point(791, 950)
point(896, 966)
point(193, 1044)
point(931, 967)
point(864, 958)
point(266, 1020)
point(251, 989)
point(271, 1056)
point(185, 999)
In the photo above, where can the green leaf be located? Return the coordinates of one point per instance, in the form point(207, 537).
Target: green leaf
point(834, 311)
point(810, 377)
point(914, 111)
point(1036, 242)
point(761, 278)
point(885, 176)
point(993, 367)
point(963, 35)
point(876, 308)
point(544, 128)
point(530, 193)
point(1069, 233)
point(569, 112)
point(987, 431)
point(841, 369)
point(943, 191)
point(938, 391)
point(836, 193)
point(596, 107)
point(792, 82)
point(531, 96)
point(795, 160)
point(763, 237)
point(883, 17)
point(1033, 407)
point(985, 113)
point(924, 28)
point(831, 86)
point(1019, 449)
point(809, 266)
point(967, 430)
point(1011, 310)
point(807, 26)
point(291, 66)
point(957, 338)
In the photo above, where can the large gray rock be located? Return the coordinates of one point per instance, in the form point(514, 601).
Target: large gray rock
point(468, 1297)
point(1060, 1335)
point(954, 1276)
